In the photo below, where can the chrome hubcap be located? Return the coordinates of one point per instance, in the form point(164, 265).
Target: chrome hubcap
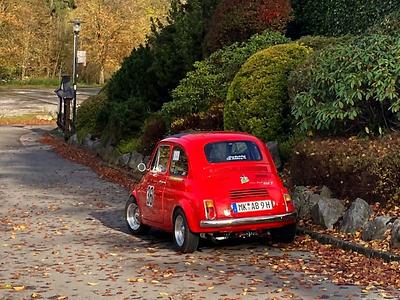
point(180, 230)
point(133, 216)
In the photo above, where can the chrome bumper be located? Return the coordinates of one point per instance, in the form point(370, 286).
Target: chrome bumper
point(248, 221)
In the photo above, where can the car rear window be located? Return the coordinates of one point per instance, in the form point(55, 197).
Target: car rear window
point(232, 151)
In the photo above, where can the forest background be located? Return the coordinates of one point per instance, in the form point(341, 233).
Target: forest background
point(36, 35)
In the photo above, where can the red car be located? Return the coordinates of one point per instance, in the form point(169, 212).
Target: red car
point(211, 184)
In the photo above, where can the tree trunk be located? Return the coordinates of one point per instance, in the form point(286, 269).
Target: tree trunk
point(101, 79)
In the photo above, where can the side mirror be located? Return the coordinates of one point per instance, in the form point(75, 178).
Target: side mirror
point(141, 167)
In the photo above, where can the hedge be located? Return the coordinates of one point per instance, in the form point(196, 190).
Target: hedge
point(352, 167)
point(257, 98)
point(338, 17)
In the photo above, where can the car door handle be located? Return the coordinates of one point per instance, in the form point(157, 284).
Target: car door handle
point(162, 182)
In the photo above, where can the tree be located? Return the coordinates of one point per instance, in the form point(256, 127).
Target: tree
point(110, 29)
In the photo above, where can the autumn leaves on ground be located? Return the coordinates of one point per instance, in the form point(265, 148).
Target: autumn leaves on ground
point(342, 267)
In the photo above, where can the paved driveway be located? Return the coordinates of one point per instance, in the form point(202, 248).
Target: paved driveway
point(62, 236)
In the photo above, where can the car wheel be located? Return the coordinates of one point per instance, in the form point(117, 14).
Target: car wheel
point(133, 217)
point(185, 241)
point(284, 234)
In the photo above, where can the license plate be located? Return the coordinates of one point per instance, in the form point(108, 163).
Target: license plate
point(251, 206)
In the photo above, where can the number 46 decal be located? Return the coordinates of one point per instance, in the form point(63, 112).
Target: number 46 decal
point(150, 196)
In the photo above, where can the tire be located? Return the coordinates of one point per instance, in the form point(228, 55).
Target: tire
point(133, 217)
point(185, 241)
point(284, 234)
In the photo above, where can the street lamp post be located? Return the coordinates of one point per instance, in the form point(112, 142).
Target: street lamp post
point(76, 25)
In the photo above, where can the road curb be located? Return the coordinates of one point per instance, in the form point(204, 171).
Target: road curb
point(345, 245)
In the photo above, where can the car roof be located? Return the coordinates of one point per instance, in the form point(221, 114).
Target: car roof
point(207, 137)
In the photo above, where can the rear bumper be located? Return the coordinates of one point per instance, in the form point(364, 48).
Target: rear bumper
point(289, 217)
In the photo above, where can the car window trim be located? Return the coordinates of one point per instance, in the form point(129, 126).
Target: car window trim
point(158, 157)
point(170, 164)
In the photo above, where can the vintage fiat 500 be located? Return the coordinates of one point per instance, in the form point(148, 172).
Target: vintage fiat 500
point(211, 184)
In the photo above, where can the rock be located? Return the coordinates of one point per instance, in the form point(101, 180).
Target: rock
point(356, 217)
point(73, 140)
point(87, 141)
point(136, 158)
point(303, 201)
point(327, 211)
point(274, 150)
point(375, 229)
point(123, 160)
point(109, 154)
point(395, 240)
point(97, 147)
point(325, 192)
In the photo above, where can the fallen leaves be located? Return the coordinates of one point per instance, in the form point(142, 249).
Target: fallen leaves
point(86, 158)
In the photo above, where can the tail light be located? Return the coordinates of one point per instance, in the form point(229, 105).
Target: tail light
point(210, 210)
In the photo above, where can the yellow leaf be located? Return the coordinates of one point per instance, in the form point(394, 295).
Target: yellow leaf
point(6, 287)
point(163, 294)
point(18, 288)
point(93, 283)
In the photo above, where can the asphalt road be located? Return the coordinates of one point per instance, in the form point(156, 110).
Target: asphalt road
point(62, 236)
point(23, 101)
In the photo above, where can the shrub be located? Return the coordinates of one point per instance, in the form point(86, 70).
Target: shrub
point(350, 88)
point(257, 98)
point(129, 145)
point(208, 84)
point(87, 113)
point(352, 167)
point(153, 131)
point(318, 43)
point(148, 75)
point(237, 20)
point(338, 17)
point(211, 119)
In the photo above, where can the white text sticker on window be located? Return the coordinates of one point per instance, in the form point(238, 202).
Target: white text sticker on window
point(176, 155)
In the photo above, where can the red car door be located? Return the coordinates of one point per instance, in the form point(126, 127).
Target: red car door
point(152, 204)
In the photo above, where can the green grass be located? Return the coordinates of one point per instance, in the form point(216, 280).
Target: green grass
point(33, 82)
point(39, 83)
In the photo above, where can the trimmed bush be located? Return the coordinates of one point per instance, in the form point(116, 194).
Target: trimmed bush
point(237, 20)
point(352, 167)
point(338, 17)
point(257, 98)
point(350, 88)
point(208, 84)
